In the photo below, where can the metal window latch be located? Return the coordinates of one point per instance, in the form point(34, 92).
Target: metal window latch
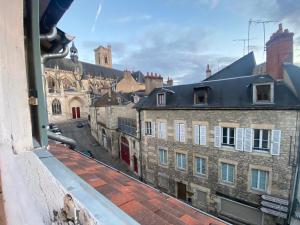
point(33, 100)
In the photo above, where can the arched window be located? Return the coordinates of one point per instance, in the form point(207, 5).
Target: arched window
point(51, 85)
point(56, 107)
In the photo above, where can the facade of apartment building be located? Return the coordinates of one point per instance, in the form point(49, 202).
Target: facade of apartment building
point(227, 144)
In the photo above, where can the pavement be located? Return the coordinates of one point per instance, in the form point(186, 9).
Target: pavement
point(85, 141)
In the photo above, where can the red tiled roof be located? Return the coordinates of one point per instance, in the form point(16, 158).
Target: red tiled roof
point(146, 205)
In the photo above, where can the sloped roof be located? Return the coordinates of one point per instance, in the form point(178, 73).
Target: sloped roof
point(87, 68)
point(242, 67)
point(138, 76)
point(224, 93)
point(143, 203)
point(293, 72)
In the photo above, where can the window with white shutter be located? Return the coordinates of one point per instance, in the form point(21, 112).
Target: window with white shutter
point(162, 130)
point(239, 141)
point(153, 128)
point(217, 136)
point(202, 135)
point(261, 140)
point(275, 144)
point(180, 132)
point(228, 136)
point(197, 134)
point(248, 137)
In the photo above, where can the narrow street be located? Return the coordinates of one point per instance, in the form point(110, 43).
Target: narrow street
point(85, 141)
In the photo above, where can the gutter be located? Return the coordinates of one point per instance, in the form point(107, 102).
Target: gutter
point(140, 141)
point(65, 140)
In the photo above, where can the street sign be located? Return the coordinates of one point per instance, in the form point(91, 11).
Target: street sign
point(275, 200)
point(275, 206)
point(274, 213)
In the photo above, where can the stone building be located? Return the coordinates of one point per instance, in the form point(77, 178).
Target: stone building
point(229, 144)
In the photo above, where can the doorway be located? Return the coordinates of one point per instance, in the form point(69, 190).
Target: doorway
point(125, 151)
point(181, 191)
point(75, 112)
point(135, 164)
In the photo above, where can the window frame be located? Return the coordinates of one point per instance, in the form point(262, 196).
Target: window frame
point(261, 140)
point(165, 156)
point(56, 107)
point(181, 160)
point(227, 144)
point(205, 97)
point(179, 134)
point(254, 97)
point(147, 129)
point(163, 103)
point(160, 134)
point(201, 166)
point(257, 188)
point(227, 181)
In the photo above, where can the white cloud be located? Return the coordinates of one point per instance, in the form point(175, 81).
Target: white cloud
point(127, 19)
point(97, 16)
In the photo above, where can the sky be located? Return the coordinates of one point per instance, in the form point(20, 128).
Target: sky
point(177, 38)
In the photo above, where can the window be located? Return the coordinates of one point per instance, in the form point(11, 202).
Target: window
point(200, 97)
point(161, 99)
point(51, 85)
point(199, 135)
point(162, 130)
point(180, 161)
point(180, 132)
point(261, 140)
point(259, 179)
point(228, 136)
point(148, 128)
point(163, 157)
point(200, 165)
point(227, 172)
point(56, 107)
point(263, 92)
point(105, 60)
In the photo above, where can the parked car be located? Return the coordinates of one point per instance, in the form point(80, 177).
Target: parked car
point(80, 125)
point(88, 153)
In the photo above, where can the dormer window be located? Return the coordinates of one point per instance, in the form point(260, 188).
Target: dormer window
point(200, 97)
point(263, 93)
point(161, 99)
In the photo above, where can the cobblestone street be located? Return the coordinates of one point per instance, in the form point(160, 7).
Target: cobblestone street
point(86, 141)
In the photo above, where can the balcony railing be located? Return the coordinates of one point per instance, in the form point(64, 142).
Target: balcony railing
point(127, 125)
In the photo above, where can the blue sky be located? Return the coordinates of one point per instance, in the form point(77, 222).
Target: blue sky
point(176, 38)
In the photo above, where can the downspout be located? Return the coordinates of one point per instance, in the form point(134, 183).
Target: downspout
point(140, 141)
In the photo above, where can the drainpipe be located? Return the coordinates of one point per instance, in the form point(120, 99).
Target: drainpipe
point(50, 36)
point(140, 141)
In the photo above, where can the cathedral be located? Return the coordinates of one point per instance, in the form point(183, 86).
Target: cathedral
point(71, 85)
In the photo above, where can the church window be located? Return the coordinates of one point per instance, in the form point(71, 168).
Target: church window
point(56, 107)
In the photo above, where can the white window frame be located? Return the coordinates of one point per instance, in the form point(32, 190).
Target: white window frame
point(147, 129)
point(227, 181)
point(180, 139)
point(162, 133)
point(202, 159)
point(260, 148)
point(163, 103)
point(227, 144)
point(254, 97)
point(201, 134)
point(164, 161)
point(258, 180)
point(180, 167)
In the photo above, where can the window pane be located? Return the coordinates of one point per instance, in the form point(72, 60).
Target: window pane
point(224, 171)
point(263, 92)
point(203, 166)
point(265, 144)
point(231, 132)
point(265, 134)
point(256, 133)
point(254, 178)
point(256, 143)
point(231, 173)
point(197, 164)
point(262, 180)
point(231, 141)
point(224, 131)
point(183, 161)
point(178, 160)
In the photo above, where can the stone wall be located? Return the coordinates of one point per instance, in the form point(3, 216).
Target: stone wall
point(279, 166)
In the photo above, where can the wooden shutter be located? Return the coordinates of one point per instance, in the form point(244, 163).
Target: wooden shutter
point(153, 128)
point(217, 137)
point(202, 135)
point(275, 144)
point(239, 140)
point(196, 134)
point(177, 131)
point(248, 139)
point(182, 132)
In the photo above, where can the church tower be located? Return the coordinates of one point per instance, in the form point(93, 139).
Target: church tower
point(103, 56)
point(74, 53)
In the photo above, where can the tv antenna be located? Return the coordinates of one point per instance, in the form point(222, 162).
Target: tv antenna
point(244, 42)
point(263, 22)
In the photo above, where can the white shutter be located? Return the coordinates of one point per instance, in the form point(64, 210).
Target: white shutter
point(196, 135)
point(248, 139)
point(202, 135)
point(239, 139)
point(182, 133)
point(177, 131)
point(163, 130)
point(275, 144)
point(217, 138)
point(143, 131)
point(153, 128)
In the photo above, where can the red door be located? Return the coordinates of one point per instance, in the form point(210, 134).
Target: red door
point(125, 150)
point(74, 112)
point(135, 164)
point(78, 112)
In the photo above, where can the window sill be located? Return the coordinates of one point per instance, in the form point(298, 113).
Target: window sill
point(263, 103)
point(228, 184)
point(163, 165)
point(261, 153)
point(181, 170)
point(258, 191)
point(202, 176)
point(227, 147)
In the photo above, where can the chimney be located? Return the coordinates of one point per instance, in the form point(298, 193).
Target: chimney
point(279, 50)
point(170, 82)
point(127, 74)
point(152, 82)
point(208, 71)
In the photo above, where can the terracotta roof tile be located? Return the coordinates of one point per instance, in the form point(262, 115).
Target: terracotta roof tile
point(145, 204)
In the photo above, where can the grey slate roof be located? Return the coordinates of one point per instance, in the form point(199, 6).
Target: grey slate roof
point(228, 93)
point(87, 68)
point(242, 67)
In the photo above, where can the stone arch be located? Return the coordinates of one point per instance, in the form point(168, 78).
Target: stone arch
point(76, 105)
